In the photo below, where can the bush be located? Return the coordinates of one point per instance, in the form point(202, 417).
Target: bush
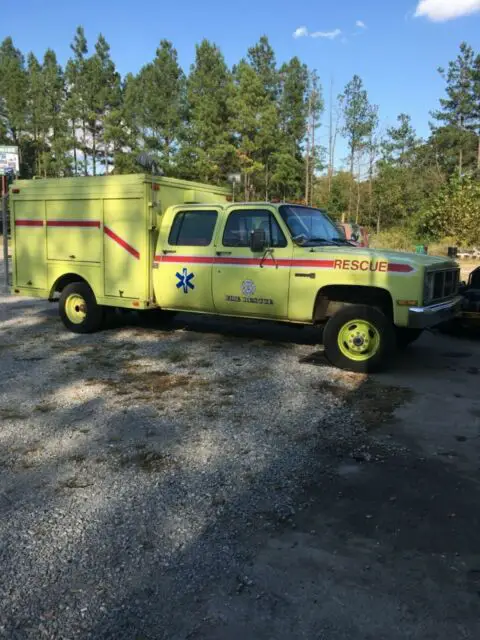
point(454, 212)
point(396, 238)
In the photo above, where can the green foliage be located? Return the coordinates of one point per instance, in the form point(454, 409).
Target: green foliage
point(454, 211)
point(259, 119)
point(13, 91)
point(401, 142)
point(395, 238)
point(207, 150)
point(157, 105)
point(262, 60)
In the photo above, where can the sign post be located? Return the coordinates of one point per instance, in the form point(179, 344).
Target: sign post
point(5, 237)
point(9, 165)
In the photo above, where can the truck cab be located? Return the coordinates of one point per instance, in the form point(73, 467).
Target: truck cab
point(288, 263)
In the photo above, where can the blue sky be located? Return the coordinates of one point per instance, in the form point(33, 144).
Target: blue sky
point(394, 51)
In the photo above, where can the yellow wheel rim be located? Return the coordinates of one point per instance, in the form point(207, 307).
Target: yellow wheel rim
point(76, 308)
point(358, 340)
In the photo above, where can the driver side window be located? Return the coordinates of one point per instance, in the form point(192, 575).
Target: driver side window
point(242, 222)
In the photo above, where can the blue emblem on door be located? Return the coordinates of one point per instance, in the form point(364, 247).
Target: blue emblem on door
point(185, 279)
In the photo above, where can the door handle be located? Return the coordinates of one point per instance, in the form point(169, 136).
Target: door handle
point(224, 253)
point(165, 251)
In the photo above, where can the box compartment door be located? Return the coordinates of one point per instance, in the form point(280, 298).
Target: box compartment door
point(30, 243)
point(125, 248)
point(74, 230)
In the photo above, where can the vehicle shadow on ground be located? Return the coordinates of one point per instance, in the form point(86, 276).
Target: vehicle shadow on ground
point(342, 532)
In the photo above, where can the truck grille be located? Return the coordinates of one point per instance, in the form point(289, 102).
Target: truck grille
point(445, 283)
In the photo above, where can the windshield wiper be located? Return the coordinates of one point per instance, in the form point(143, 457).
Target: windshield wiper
point(343, 241)
point(329, 240)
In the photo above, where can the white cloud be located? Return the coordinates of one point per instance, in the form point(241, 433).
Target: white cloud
point(360, 24)
point(331, 35)
point(301, 32)
point(443, 10)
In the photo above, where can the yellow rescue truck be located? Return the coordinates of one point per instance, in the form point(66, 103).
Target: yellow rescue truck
point(143, 242)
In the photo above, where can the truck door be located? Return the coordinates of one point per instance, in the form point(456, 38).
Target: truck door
point(247, 283)
point(29, 236)
point(182, 275)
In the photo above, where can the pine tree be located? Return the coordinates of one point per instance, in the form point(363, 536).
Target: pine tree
point(289, 170)
point(358, 122)
point(160, 105)
point(120, 132)
point(261, 58)
point(314, 151)
point(36, 112)
point(401, 142)
point(56, 160)
point(207, 151)
point(102, 95)
point(13, 95)
point(75, 108)
point(460, 108)
point(255, 122)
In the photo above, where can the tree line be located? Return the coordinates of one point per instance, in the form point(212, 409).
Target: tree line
point(259, 120)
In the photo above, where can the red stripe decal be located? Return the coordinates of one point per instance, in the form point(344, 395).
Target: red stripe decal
point(267, 262)
point(128, 247)
point(74, 223)
point(400, 267)
point(29, 223)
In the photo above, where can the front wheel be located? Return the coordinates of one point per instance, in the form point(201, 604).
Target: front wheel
point(79, 310)
point(359, 338)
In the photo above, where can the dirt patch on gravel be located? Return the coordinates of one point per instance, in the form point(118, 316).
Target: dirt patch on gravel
point(374, 402)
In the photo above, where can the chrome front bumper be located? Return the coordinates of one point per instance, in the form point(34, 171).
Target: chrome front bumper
point(423, 317)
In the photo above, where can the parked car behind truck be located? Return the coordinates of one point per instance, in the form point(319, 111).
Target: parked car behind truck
point(143, 242)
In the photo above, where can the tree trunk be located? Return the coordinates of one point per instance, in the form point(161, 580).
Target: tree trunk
point(266, 181)
point(460, 163)
point(378, 220)
point(307, 164)
point(74, 137)
point(350, 198)
point(85, 157)
point(94, 154)
point(312, 177)
point(357, 212)
point(478, 153)
point(330, 140)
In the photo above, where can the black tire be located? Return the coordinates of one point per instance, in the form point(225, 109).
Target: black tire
point(94, 314)
point(385, 337)
point(405, 336)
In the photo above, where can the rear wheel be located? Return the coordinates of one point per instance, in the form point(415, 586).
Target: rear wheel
point(405, 336)
point(359, 338)
point(79, 310)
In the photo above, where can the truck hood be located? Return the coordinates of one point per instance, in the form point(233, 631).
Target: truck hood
point(414, 259)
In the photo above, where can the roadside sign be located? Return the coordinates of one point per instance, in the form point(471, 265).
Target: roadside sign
point(9, 160)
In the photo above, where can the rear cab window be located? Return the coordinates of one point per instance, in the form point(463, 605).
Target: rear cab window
point(193, 228)
point(242, 222)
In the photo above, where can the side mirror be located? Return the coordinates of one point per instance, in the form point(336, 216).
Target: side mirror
point(258, 240)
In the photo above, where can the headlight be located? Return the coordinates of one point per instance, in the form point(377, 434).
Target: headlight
point(428, 287)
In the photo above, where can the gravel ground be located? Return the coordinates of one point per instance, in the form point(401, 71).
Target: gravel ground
point(213, 479)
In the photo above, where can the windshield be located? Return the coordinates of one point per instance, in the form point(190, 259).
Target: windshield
point(311, 226)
